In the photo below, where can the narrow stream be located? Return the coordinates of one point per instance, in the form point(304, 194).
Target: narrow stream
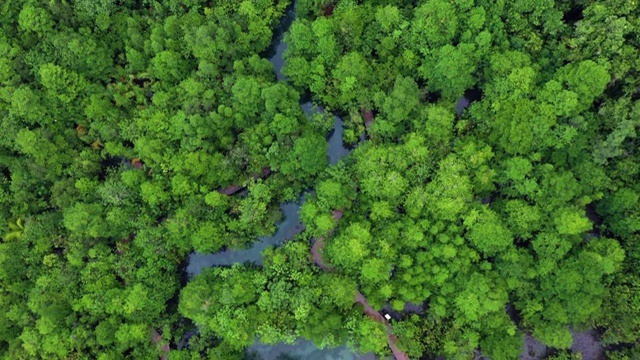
point(278, 46)
point(465, 101)
point(291, 226)
point(305, 350)
point(337, 150)
point(287, 229)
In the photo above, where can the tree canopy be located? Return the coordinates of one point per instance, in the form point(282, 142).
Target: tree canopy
point(493, 167)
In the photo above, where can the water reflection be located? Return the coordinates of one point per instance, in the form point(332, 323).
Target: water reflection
point(462, 104)
point(469, 97)
point(305, 350)
point(287, 229)
point(337, 150)
point(278, 46)
point(586, 343)
point(336, 147)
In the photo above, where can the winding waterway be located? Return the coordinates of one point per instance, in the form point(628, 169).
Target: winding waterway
point(291, 225)
point(287, 229)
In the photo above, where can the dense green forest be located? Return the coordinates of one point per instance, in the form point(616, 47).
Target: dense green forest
point(135, 132)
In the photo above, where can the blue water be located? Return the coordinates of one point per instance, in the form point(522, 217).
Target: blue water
point(305, 350)
point(337, 150)
point(286, 230)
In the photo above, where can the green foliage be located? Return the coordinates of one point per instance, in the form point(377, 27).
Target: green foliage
point(16, 229)
point(621, 304)
point(487, 233)
point(136, 132)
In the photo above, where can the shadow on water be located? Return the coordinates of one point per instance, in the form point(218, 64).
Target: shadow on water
point(532, 349)
point(337, 150)
point(574, 15)
point(596, 221)
point(587, 344)
point(469, 97)
point(275, 51)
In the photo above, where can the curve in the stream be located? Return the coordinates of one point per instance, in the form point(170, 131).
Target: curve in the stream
point(291, 224)
point(316, 255)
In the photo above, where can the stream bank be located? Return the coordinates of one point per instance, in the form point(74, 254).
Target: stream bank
point(291, 226)
point(288, 228)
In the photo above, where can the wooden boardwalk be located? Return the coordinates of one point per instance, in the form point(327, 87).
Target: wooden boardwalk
point(316, 255)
